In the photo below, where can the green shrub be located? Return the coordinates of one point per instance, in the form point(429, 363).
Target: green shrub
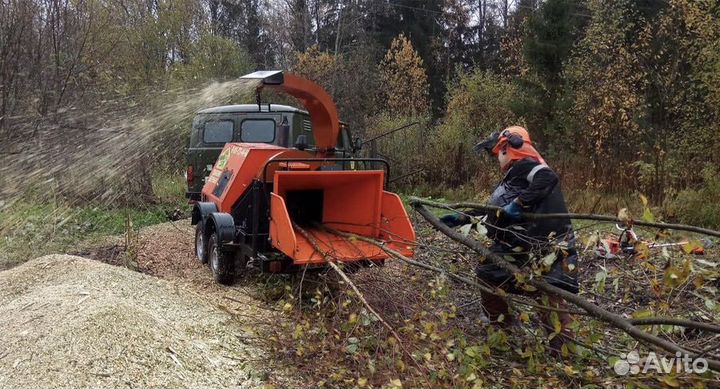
point(698, 206)
point(406, 150)
point(212, 58)
point(478, 104)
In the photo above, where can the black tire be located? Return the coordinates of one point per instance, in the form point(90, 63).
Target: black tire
point(201, 244)
point(221, 263)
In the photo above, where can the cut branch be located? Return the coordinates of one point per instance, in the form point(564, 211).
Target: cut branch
point(643, 321)
point(596, 311)
point(577, 216)
point(465, 280)
point(676, 322)
point(331, 261)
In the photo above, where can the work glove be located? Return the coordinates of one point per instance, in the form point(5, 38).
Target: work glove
point(454, 219)
point(512, 211)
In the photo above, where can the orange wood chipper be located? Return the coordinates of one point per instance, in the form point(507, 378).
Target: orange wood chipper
point(257, 193)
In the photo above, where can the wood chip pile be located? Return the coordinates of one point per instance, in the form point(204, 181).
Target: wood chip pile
point(67, 321)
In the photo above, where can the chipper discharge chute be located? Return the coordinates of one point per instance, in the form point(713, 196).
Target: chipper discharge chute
point(257, 194)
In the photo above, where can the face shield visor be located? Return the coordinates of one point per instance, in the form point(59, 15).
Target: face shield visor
point(488, 144)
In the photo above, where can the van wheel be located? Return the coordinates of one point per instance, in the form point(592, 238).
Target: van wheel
point(221, 263)
point(201, 244)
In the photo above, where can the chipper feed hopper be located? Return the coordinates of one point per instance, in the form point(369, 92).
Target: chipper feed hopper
point(257, 194)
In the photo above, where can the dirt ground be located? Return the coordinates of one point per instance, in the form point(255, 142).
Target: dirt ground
point(69, 321)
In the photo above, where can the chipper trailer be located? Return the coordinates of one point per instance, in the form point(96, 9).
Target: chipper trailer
point(257, 194)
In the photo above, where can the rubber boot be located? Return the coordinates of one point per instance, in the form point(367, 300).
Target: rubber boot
point(565, 319)
point(494, 307)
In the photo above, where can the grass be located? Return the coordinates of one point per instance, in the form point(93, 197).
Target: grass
point(34, 226)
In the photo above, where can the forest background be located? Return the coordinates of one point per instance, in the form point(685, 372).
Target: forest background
point(622, 97)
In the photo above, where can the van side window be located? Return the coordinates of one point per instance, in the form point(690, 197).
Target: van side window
point(218, 131)
point(257, 131)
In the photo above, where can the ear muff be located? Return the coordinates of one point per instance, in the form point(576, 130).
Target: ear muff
point(514, 140)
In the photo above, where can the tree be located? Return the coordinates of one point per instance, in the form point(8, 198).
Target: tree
point(421, 22)
point(404, 79)
point(213, 57)
point(608, 85)
point(351, 78)
point(479, 102)
point(551, 34)
point(241, 21)
point(682, 111)
point(320, 66)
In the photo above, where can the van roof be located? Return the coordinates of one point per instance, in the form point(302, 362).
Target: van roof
point(252, 108)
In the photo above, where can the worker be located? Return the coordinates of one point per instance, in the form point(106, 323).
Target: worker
point(528, 185)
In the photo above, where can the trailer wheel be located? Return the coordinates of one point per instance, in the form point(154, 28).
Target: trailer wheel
point(201, 244)
point(221, 263)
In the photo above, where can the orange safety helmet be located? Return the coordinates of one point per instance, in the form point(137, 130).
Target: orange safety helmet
point(514, 136)
point(514, 140)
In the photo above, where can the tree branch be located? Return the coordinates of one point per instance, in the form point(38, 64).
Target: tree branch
point(331, 261)
point(676, 322)
point(456, 277)
point(577, 216)
point(596, 311)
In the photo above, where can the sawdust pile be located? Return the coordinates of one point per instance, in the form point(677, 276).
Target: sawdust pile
point(67, 321)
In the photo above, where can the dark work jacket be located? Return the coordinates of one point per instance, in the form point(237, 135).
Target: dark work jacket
point(538, 189)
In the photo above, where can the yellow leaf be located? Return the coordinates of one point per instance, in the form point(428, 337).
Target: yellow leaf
point(699, 281)
point(362, 382)
point(642, 314)
point(549, 259)
point(555, 320)
point(669, 381)
point(524, 317)
point(395, 384)
point(642, 250)
point(644, 200)
point(648, 215)
point(529, 288)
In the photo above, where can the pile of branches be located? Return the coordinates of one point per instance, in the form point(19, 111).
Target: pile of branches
point(637, 328)
point(633, 327)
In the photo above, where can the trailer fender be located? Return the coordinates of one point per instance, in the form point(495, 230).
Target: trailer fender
point(201, 211)
point(224, 226)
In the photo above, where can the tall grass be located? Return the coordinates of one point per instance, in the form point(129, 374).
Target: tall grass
point(33, 225)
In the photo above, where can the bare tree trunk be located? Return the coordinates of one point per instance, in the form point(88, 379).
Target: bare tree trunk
point(339, 27)
point(505, 11)
point(482, 17)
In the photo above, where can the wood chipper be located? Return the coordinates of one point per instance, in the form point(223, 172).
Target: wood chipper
point(256, 193)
